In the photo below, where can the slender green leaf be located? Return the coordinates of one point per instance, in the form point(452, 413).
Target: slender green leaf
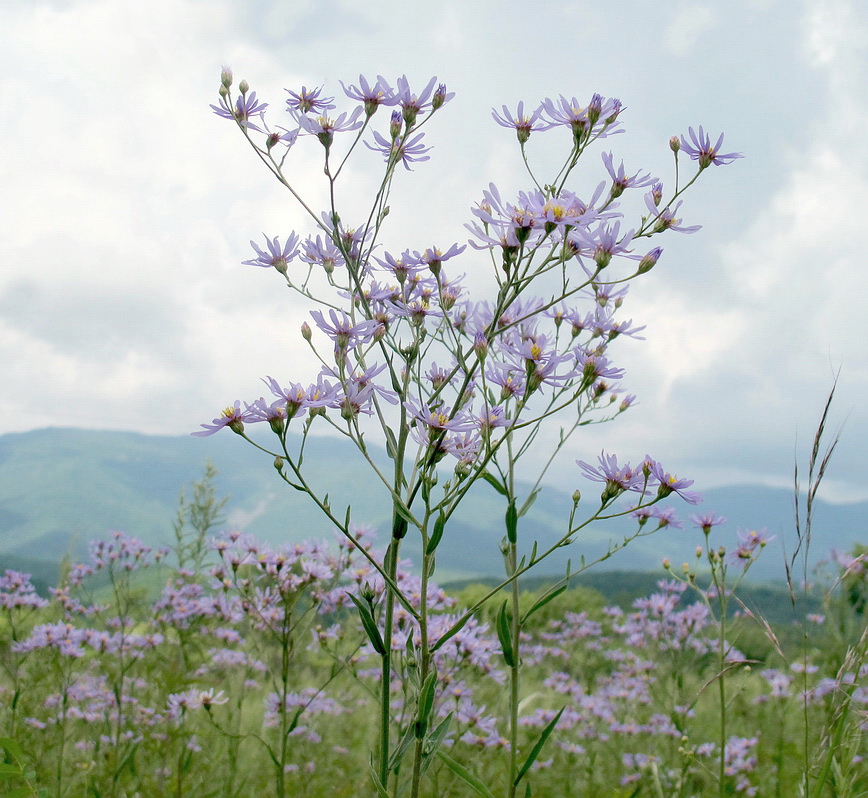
point(504, 635)
point(381, 790)
point(531, 757)
point(451, 633)
point(494, 482)
point(511, 521)
point(391, 443)
point(426, 703)
point(465, 775)
point(528, 503)
point(542, 601)
point(12, 747)
point(436, 534)
point(369, 624)
point(401, 749)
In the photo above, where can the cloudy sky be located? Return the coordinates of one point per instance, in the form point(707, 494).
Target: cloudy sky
point(127, 206)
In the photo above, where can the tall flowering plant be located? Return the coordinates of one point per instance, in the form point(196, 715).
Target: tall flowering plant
point(458, 388)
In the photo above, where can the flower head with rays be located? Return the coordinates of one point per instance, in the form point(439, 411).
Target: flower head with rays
point(699, 149)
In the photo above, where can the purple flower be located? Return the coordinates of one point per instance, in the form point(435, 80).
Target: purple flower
point(322, 252)
point(309, 100)
point(324, 127)
point(372, 97)
point(749, 540)
point(700, 149)
point(439, 418)
point(665, 517)
point(707, 521)
point(277, 257)
point(524, 125)
point(232, 417)
point(617, 478)
point(620, 181)
point(246, 107)
point(665, 219)
point(343, 332)
point(668, 484)
point(407, 150)
point(412, 104)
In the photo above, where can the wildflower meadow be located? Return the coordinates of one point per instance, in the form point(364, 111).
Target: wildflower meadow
point(222, 666)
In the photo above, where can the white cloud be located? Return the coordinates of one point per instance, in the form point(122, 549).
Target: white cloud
point(687, 27)
point(128, 205)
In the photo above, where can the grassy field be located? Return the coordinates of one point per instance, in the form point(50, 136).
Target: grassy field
point(243, 670)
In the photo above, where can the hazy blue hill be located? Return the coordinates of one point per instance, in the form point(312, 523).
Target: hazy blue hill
point(60, 488)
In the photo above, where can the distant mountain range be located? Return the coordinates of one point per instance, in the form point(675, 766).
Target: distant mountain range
point(60, 488)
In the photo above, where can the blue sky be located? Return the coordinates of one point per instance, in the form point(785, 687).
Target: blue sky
point(127, 206)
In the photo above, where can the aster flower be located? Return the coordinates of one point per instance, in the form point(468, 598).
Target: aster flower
point(440, 418)
point(308, 100)
point(232, 417)
point(707, 521)
point(434, 257)
point(699, 149)
point(666, 219)
point(342, 331)
point(277, 257)
point(246, 107)
point(616, 478)
point(749, 540)
point(400, 148)
point(371, 97)
point(668, 484)
point(412, 104)
point(524, 125)
point(324, 127)
point(321, 252)
point(620, 181)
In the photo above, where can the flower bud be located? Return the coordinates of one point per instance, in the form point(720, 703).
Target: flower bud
point(395, 125)
point(674, 144)
point(667, 563)
point(649, 260)
point(577, 497)
point(698, 552)
point(223, 92)
point(439, 97)
point(244, 87)
point(226, 77)
point(480, 344)
point(306, 331)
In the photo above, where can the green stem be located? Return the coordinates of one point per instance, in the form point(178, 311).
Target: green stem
point(386, 670)
point(514, 683)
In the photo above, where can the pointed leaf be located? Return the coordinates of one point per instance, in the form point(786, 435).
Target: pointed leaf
point(436, 534)
point(391, 443)
point(381, 790)
point(494, 482)
point(466, 776)
point(426, 703)
point(504, 635)
point(401, 749)
point(531, 757)
point(369, 625)
point(511, 522)
point(542, 601)
point(528, 503)
point(12, 747)
point(451, 633)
